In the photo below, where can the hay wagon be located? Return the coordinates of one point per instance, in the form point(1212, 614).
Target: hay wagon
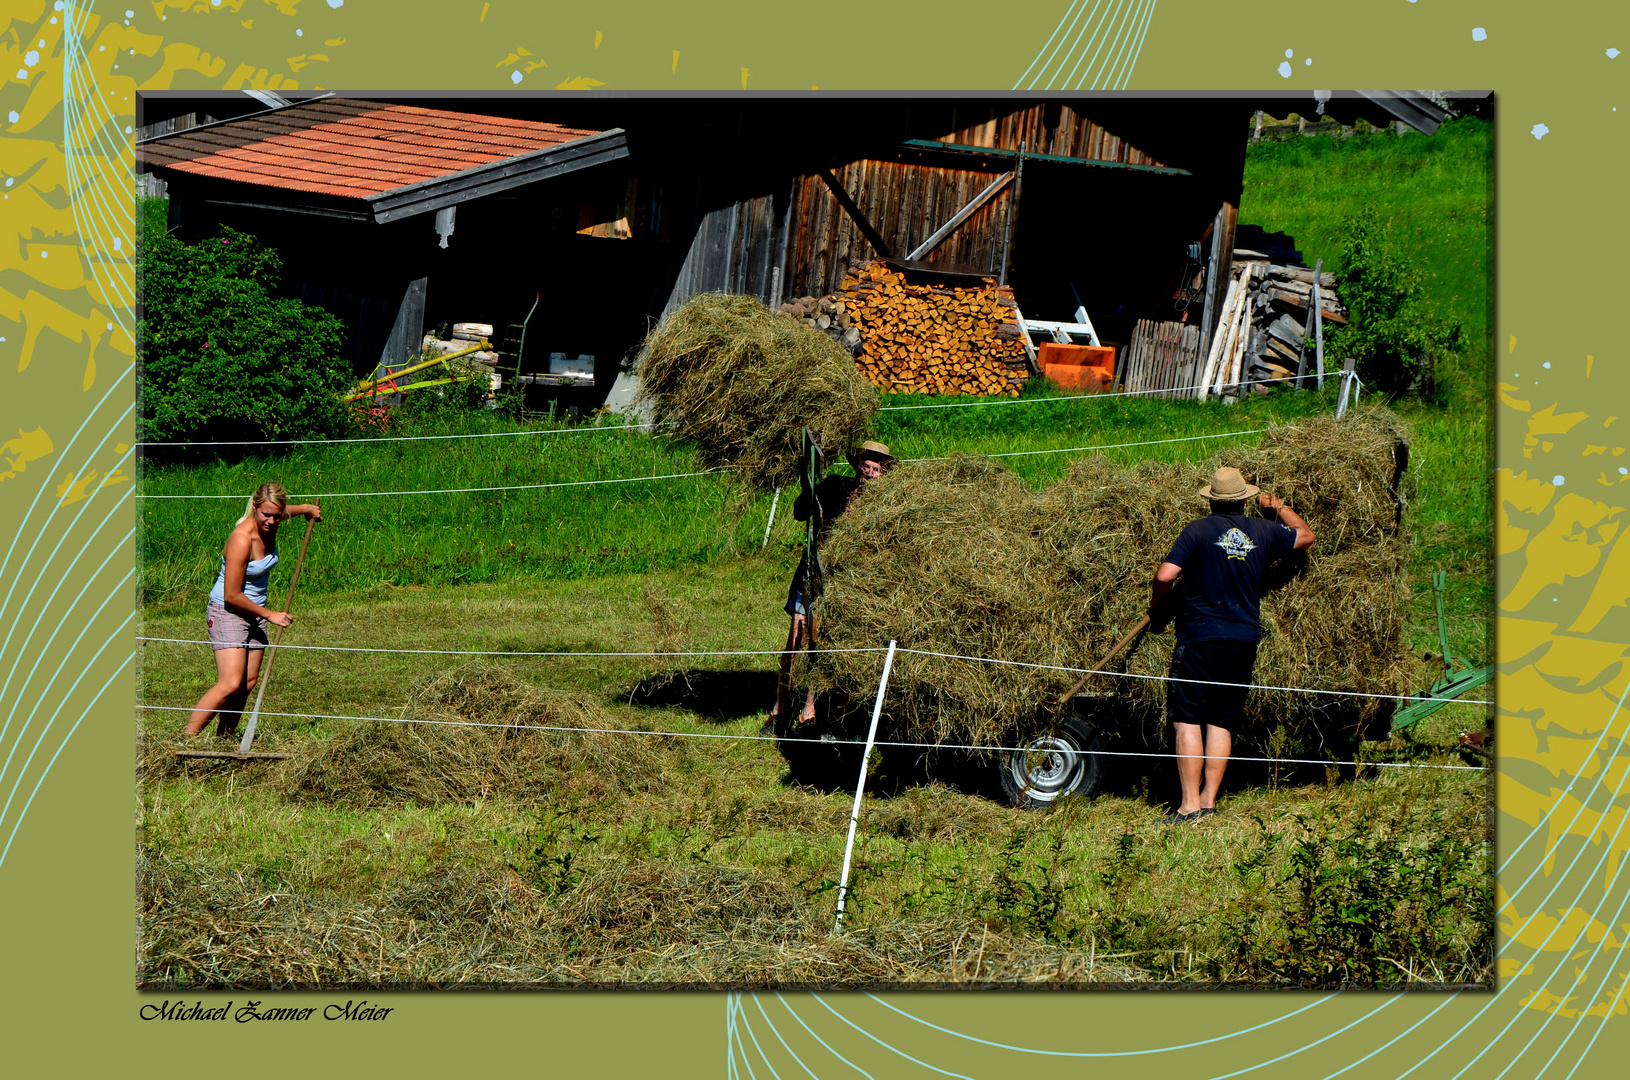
point(999, 596)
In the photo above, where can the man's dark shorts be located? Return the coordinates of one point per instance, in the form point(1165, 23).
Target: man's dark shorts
point(1209, 663)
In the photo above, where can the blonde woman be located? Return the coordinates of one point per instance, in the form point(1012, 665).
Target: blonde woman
point(236, 614)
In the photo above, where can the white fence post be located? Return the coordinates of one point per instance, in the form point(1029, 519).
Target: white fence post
point(771, 522)
point(860, 787)
point(1348, 379)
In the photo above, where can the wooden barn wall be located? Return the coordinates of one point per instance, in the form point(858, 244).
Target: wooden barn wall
point(905, 203)
point(737, 248)
point(1055, 129)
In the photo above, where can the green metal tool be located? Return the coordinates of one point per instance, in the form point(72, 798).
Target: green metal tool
point(1457, 678)
point(812, 465)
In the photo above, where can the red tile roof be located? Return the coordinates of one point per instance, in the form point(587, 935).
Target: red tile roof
point(349, 148)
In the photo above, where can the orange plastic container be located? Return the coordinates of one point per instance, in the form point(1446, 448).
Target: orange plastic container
point(1089, 368)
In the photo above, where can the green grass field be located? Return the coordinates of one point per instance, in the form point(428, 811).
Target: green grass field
point(677, 861)
point(1435, 198)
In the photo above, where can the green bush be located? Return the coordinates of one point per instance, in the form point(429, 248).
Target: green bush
point(1391, 335)
point(223, 356)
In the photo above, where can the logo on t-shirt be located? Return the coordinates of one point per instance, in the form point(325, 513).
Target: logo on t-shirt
point(1235, 544)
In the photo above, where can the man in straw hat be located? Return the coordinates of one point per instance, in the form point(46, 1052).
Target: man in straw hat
point(1224, 560)
point(835, 492)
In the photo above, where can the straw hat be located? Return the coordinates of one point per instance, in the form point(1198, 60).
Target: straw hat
point(1227, 485)
point(873, 450)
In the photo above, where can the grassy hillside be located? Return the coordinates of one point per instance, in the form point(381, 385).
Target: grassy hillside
point(1434, 195)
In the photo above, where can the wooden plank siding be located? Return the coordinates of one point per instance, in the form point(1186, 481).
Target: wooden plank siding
point(736, 247)
point(735, 250)
point(1069, 134)
point(905, 203)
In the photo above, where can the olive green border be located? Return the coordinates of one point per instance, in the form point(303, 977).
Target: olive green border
point(66, 893)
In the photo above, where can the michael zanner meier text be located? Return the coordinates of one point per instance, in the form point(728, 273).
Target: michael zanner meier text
point(254, 1010)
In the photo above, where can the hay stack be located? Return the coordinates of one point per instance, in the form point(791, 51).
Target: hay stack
point(740, 382)
point(377, 763)
point(960, 557)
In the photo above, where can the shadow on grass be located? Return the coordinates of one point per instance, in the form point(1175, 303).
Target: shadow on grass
point(1147, 774)
point(716, 695)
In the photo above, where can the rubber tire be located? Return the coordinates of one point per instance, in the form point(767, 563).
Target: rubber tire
point(1074, 766)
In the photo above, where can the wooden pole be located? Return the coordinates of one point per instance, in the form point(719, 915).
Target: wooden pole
point(1012, 212)
point(266, 662)
point(1024, 339)
point(1214, 354)
point(1064, 698)
point(1318, 324)
point(922, 250)
point(878, 244)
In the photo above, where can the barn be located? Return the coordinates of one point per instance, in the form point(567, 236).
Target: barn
point(572, 225)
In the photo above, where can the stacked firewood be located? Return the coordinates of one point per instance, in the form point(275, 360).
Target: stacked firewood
point(1263, 332)
point(924, 339)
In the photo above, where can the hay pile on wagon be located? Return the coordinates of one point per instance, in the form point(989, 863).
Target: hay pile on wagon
point(739, 382)
point(960, 557)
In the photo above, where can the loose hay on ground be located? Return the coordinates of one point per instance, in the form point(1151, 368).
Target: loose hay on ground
point(961, 557)
point(740, 381)
point(375, 762)
point(628, 921)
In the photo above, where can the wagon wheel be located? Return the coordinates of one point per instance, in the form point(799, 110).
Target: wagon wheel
point(1068, 761)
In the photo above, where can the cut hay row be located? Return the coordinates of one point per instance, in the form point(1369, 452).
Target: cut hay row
point(470, 733)
point(961, 557)
point(740, 382)
point(621, 920)
point(370, 763)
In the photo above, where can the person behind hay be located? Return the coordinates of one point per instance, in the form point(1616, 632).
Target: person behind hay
point(835, 493)
point(235, 616)
point(1224, 560)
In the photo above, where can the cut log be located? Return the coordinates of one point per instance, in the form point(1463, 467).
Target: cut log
point(1301, 274)
point(1305, 303)
point(926, 339)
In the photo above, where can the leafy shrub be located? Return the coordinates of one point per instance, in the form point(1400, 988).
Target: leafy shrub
point(1393, 338)
point(223, 356)
point(1351, 909)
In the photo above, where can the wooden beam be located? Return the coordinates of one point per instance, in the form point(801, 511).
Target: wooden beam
point(944, 231)
point(1318, 323)
point(849, 207)
point(433, 194)
point(935, 146)
point(1012, 211)
point(1219, 271)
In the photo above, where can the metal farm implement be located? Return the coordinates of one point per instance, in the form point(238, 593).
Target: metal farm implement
point(1458, 676)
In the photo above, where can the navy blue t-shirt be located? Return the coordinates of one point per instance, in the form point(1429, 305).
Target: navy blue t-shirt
point(1225, 561)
